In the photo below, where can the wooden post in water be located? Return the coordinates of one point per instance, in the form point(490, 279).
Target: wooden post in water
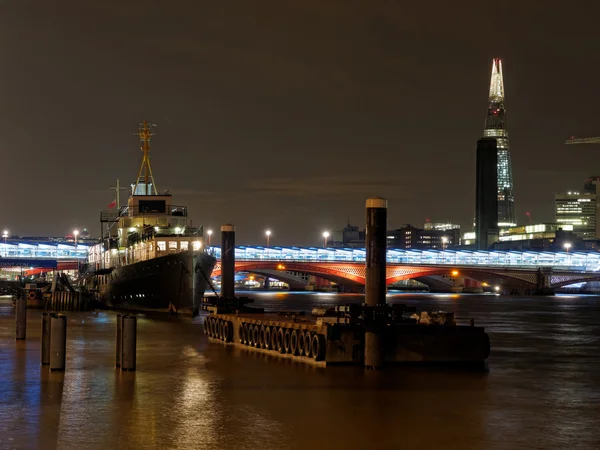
point(45, 347)
point(21, 318)
point(227, 261)
point(58, 342)
point(129, 343)
point(375, 280)
point(119, 340)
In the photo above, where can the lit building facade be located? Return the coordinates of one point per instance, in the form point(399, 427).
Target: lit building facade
point(539, 231)
point(443, 226)
point(578, 210)
point(409, 237)
point(495, 127)
point(540, 237)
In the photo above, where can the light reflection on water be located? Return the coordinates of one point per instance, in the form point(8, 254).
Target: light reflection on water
point(542, 389)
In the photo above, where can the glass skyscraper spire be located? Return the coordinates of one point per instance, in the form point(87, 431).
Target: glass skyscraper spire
point(495, 127)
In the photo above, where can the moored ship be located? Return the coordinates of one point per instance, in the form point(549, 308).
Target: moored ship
point(150, 257)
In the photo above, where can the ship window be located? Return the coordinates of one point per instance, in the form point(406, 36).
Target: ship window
point(183, 245)
point(172, 245)
point(152, 206)
point(161, 245)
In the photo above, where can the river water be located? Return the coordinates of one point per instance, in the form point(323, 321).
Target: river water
point(541, 389)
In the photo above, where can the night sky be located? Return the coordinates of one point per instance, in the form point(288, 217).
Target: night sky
point(288, 114)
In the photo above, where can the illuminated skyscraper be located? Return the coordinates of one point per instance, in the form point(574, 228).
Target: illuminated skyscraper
point(495, 127)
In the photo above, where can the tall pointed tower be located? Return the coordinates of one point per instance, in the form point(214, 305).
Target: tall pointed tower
point(495, 127)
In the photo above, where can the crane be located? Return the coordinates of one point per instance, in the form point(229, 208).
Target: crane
point(587, 140)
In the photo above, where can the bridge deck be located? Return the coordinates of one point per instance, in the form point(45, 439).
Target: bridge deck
point(580, 261)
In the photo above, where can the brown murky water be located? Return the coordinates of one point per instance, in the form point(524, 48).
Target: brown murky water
point(541, 390)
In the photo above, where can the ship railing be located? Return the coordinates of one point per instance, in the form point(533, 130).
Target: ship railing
point(112, 215)
point(169, 210)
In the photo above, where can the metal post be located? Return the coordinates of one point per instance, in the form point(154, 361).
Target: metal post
point(119, 340)
point(375, 279)
point(227, 261)
point(129, 343)
point(58, 342)
point(45, 349)
point(21, 318)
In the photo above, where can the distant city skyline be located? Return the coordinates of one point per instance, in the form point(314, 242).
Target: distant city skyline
point(287, 115)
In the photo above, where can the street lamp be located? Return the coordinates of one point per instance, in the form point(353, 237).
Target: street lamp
point(567, 246)
point(5, 235)
point(444, 242)
point(325, 236)
point(268, 234)
point(75, 234)
point(209, 232)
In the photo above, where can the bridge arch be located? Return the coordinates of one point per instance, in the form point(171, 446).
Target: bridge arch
point(353, 272)
point(295, 282)
point(558, 281)
point(340, 273)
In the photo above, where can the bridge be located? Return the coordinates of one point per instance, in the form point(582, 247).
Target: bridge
point(440, 269)
point(32, 257)
point(34, 266)
point(26, 249)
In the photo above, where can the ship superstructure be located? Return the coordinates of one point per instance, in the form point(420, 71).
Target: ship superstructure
point(151, 256)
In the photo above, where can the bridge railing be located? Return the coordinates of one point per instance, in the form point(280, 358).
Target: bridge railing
point(577, 261)
point(41, 251)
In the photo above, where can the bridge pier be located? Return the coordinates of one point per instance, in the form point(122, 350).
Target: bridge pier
point(544, 282)
point(471, 286)
point(351, 288)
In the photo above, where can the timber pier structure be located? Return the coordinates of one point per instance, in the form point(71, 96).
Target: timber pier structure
point(374, 334)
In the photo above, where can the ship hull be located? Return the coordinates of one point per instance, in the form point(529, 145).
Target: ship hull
point(170, 283)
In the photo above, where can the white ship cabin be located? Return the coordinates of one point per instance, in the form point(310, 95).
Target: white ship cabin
point(148, 227)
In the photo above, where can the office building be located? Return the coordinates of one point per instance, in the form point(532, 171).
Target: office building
point(409, 237)
point(486, 198)
point(348, 237)
point(443, 226)
point(579, 211)
point(538, 231)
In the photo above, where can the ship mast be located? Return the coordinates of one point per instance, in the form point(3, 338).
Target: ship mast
point(145, 132)
point(118, 190)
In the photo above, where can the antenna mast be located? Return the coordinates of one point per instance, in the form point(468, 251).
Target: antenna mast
point(145, 133)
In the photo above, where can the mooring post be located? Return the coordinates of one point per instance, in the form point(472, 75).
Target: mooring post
point(58, 342)
point(119, 340)
point(129, 343)
point(375, 279)
point(45, 349)
point(21, 318)
point(227, 261)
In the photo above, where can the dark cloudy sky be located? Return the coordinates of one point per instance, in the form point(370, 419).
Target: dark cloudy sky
point(288, 114)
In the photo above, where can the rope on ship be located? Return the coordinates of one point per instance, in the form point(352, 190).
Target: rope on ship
point(198, 268)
